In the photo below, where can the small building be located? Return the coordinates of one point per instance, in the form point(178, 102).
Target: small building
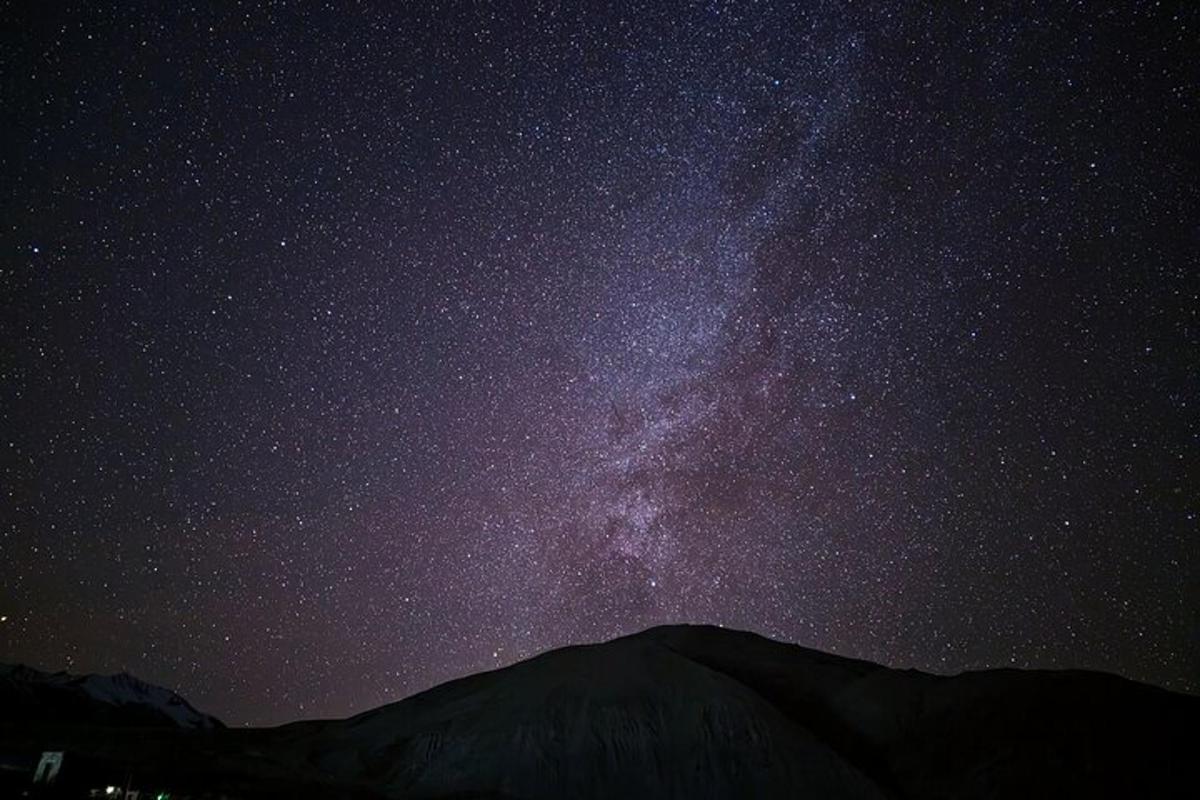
point(64, 774)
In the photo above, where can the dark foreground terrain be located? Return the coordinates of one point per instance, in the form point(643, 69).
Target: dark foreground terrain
point(689, 712)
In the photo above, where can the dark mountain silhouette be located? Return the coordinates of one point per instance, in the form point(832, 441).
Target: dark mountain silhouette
point(702, 712)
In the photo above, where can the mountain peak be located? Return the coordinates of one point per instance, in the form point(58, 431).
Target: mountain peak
point(116, 699)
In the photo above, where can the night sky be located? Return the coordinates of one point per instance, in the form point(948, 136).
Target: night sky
point(347, 349)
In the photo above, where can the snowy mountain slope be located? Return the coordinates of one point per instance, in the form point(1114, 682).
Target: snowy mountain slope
point(98, 699)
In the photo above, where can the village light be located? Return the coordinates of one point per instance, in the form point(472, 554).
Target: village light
point(110, 790)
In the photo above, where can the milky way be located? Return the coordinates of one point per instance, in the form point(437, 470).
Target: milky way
point(347, 351)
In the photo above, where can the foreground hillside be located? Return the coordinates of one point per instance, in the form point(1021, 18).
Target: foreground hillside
point(700, 712)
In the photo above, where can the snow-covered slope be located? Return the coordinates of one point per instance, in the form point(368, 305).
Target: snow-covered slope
point(97, 699)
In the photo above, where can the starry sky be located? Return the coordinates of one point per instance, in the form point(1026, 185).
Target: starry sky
point(350, 348)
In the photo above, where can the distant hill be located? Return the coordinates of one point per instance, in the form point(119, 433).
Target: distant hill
point(118, 700)
point(702, 712)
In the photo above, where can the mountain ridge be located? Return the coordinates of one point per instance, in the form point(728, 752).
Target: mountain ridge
point(859, 724)
point(119, 698)
point(708, 712)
